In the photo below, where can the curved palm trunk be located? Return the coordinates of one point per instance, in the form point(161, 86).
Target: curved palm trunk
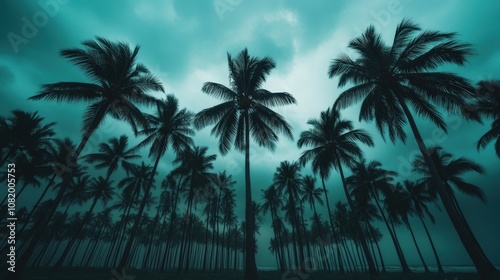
point(70, 244)
point(135, 227)
point(371, 265)
point(339, 256)
point(399, 252)
point(481, 262)
point(322, 252)
point(407, 223)
point(250, 265)
point(438, 262)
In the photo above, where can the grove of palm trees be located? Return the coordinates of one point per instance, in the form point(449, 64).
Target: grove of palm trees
point(241, 179)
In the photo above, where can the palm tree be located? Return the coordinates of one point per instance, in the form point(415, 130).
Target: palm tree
point(196, 165)
point(389, 79)
point(24, 132)
point(312, 195)
point(244, 111)
point(370, 179)
point(333, 142)
point(288, 180)
point(112, 155)
point(99, 189)
point(170, 127)
point(450, 171)
point(119, 84)
point(419, 197)
point(489, 106)
point(273, 203)
point(399, 207)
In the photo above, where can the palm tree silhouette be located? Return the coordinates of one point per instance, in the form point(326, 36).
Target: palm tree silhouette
point(399, 207)
point(288, 181)
point(312, 195)
point(389, 79)
point(488, 104)
point(196, 167)
point(245, 112)
point(333, 144)
point(170, 127)
point(24, 132)
point(419, 197)
point(119, 85)
point(450, 171)
point(273, 203)
point(372, 180)
point(112, 155)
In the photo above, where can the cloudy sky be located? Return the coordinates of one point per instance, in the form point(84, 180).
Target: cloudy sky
point(185, 44)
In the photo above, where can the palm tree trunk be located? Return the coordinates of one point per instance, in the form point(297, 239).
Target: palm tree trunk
point(362, 239)
point(481, 262)
point(335, 237)
point(416, 246)
point(250, 264)
point(438, 262)
point(399, 253)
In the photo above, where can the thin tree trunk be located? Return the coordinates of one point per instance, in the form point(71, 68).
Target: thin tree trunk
point(438, 262)
point(335, 237)
point(250, 264)
point(416, 246)
point(364, 246)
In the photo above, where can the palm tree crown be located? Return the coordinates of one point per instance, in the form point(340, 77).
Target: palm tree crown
point(389, 78)
point(245, 99)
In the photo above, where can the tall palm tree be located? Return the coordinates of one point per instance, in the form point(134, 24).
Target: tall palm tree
point(489, 105)
point(272, 202)
point(333, 141)
point(99, 189)
point(288, 181)
point(24, 132)
point(170, 127)
point(196, 165)
point(390, 79)
point(119, 84)
point(451, 170)
point(112, 155)
point(419, 197)
point(370, 179)
point(399, 208)
point(245, 112)
point(312, 195)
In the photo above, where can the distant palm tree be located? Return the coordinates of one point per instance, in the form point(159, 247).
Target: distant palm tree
point(245, 112)
point(170, 127)
point(196, 167)
point(24, 132)
point(288, 181)
point(369, 178)
point(119, 85)
point(389, 79)
point(399, 207)
point(450, 171)
point(273, 203)
point(112, 155)
point(419, 197)
point(333, 141)
point(489, 105)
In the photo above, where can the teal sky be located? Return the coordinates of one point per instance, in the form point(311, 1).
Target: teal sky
point(185, 44)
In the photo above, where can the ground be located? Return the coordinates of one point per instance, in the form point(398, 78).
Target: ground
point(105, 274)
